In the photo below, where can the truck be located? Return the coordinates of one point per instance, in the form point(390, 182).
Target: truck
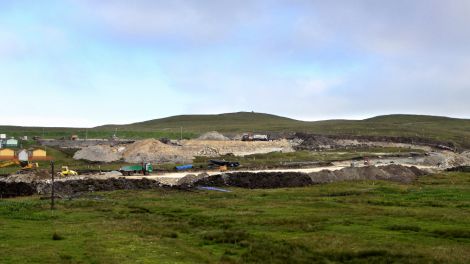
point(144, 168)
point(255, 137)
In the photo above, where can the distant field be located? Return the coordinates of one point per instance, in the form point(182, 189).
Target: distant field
point(349, 222)
point(429, 127)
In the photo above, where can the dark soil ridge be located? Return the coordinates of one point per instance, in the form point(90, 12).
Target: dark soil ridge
point(314, 141)
point(268, 180)
point(250, 180)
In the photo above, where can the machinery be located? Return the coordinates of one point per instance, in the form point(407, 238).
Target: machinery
point(26, 166)
point(65, 171)
point(223, 165)
point(144, 168)
point(255, 137)
point(9, 163)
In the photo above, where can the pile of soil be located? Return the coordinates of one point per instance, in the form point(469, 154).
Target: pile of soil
point(151, 150)
point(251, 180)
point(314, 142)
point(208, 152)
point(66, 188)
point(190, 179)
point(13, 189)
point(29, 177)
point(104, 153)
point(261, 180)
point(213, 135)
point(395, 173)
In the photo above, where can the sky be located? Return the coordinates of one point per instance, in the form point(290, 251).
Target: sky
point(84, 63)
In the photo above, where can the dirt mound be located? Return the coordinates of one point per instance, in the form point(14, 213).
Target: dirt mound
point(314, 142)
point(91, 185)
point(29, 177)
point(213, 135)
point(207, 151)
point(151, 150)
point(190, 179)
point(103, 153)
point(395, 173)
point(257, 180)
point(13, 189)
point(251, 180)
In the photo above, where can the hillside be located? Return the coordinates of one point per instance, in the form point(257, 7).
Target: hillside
point(431, 127)
point(230, 122)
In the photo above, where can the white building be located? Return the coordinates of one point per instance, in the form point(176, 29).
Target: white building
point(23, 155)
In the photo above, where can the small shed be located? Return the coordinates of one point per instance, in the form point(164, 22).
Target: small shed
point(39, 154)
point(23, 155)
point(11, 142)
point(7, 154)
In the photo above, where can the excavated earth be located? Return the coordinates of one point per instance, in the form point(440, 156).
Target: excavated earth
point(395, 173)
point(152, 150)
point(252, 180)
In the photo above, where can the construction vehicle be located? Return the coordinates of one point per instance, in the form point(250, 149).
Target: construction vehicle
point(65, 171)
point(9, 163)
point(255, 137)
point(144, 168)
point(26, 166)
point(223, 165)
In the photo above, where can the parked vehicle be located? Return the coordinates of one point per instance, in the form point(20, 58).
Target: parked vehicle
point(218, 163)
point(256, 137)
point(144, 168)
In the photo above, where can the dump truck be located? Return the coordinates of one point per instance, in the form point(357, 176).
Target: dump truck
point(255, 137)
point(144, 168)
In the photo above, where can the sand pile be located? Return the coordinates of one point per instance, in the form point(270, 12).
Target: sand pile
point(102, 153)
point(151, 150)
point(213, 135)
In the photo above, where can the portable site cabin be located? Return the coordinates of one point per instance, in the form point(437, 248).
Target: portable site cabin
point(7, 154)
point(38, 154)
point(11, 142)
point(23, 155)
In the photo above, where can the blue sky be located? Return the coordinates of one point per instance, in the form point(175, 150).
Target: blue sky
point(92, 62)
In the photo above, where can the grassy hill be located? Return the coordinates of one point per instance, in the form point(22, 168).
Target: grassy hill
point(430, 127)
point(230, 122)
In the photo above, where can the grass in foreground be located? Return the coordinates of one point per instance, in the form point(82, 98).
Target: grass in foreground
point(349, 222)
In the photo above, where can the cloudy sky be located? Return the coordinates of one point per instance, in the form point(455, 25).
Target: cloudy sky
point(91, 62)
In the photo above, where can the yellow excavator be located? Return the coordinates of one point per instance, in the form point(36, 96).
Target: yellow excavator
point(25, 165)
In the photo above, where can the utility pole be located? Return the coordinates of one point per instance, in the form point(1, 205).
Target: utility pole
point(86, 133)
point(52, 185)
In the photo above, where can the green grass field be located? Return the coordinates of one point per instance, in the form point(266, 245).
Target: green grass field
point(348, 222)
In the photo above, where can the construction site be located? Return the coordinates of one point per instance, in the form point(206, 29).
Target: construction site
point(191, 162)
